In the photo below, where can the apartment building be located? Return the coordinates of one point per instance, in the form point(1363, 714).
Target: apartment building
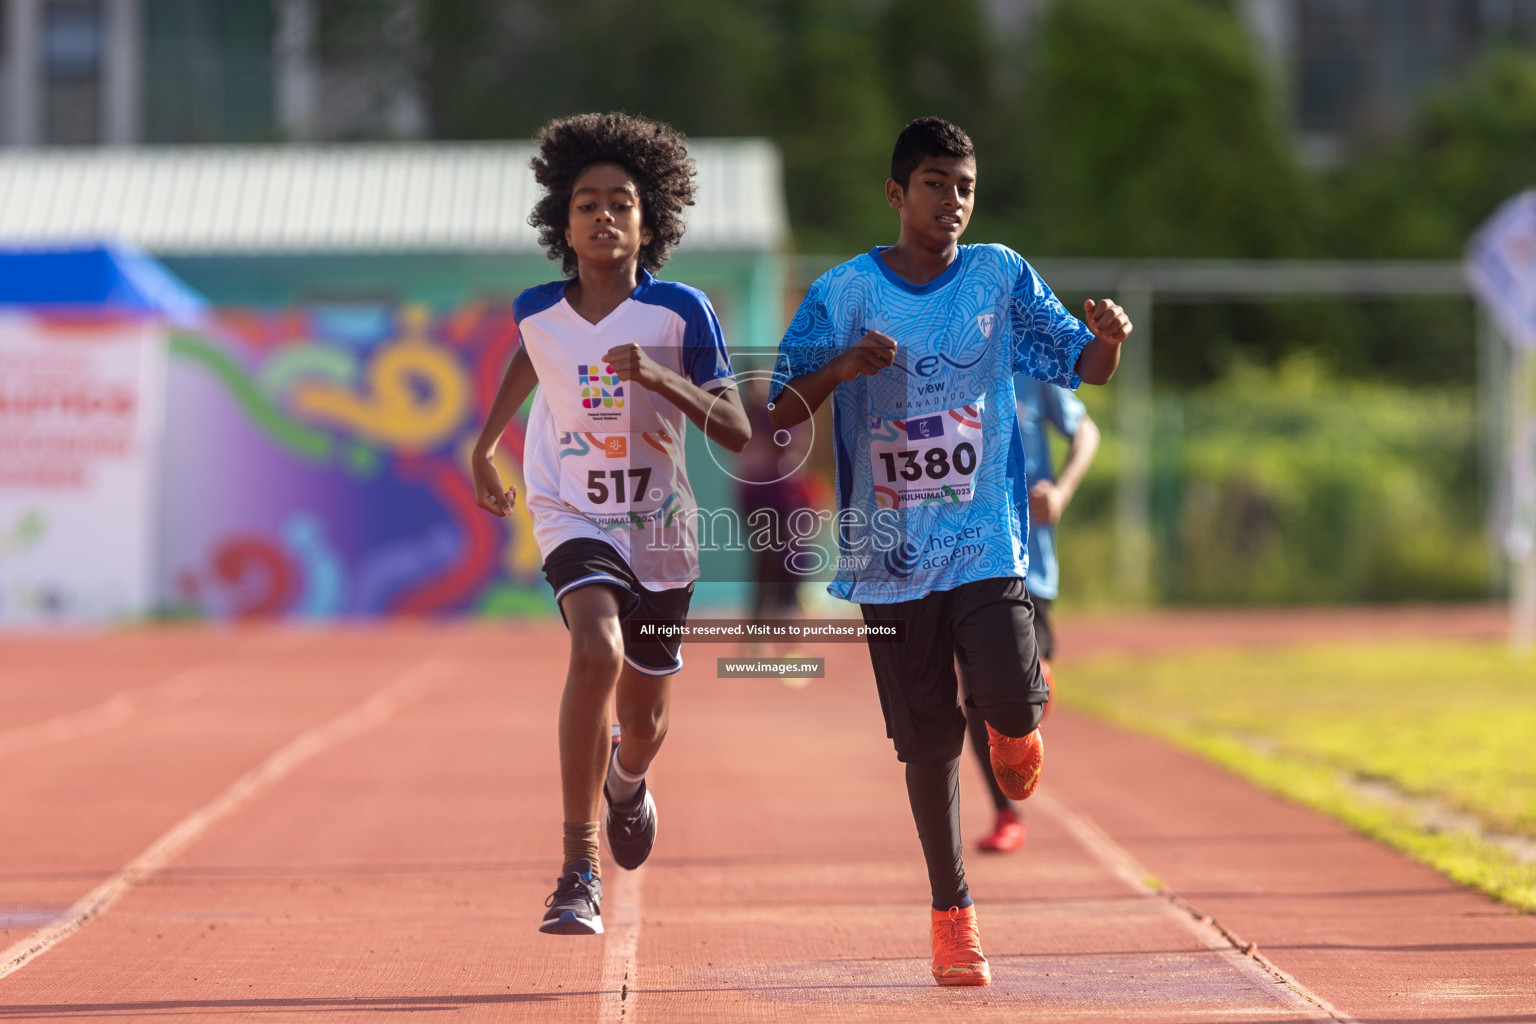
point(122, 72)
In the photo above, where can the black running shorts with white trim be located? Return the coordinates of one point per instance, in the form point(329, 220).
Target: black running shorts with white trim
point(989, 626)
point(586, 561)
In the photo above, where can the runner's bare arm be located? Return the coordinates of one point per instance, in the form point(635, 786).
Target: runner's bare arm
point(718, 413)
point(1048, 499)
point(1100, 357)
point(516, 385)
point(803, 395)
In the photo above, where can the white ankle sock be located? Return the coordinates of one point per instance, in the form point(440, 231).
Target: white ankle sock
point(622, 785)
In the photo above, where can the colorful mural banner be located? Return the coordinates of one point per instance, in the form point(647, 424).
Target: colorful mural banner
point(81, 400)
point(317, 465)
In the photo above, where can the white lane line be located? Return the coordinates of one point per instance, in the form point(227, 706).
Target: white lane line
point(621, 926)
point(113, 711)
point(1206, 929)
point(379, 706)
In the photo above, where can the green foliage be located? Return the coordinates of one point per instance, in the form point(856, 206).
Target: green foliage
point(1151, 132)
point(1288, 486)
point(1474, 145)
point(806, 73)
point(208, 73)
point(830, 113)
point(1112, 129)
point(1310, 722)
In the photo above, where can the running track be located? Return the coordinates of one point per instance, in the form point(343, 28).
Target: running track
point(276, 824)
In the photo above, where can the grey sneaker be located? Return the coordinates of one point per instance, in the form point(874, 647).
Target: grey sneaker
point(631, 828)
point(576, 904)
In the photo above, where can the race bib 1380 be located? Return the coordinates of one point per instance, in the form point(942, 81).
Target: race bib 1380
point(925, 460)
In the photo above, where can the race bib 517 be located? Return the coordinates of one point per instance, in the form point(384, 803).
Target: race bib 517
point(620, 481)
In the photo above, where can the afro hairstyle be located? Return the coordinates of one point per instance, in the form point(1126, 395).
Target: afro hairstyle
point(653, 153)
point(925, 137)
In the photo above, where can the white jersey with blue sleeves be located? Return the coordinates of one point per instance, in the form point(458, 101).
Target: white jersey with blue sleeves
point(603, 458)
point(931, 486)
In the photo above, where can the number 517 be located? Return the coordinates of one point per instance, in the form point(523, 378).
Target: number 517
point(597, 485)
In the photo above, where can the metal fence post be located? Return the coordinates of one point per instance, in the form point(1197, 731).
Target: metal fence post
point(1520, 536)
point(1133, 493)
point(1493, 369)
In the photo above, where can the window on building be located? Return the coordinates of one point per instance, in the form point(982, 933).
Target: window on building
point(208, 70)
point(72, 55)
point(1364, 65)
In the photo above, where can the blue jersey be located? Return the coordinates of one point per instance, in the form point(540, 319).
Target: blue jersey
point(932, 490)
point(1041, 404)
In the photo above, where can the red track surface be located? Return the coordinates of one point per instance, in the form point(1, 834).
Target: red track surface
point(369, 826)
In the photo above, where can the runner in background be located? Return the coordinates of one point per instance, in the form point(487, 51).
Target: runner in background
point(772, 482)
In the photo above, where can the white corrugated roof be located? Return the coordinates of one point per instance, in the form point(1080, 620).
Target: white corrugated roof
point(408, 197)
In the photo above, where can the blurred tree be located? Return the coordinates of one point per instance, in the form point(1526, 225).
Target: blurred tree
point(1150, 132)
point(804, 72)
point(938, 60)
point(825, 103)
point(1473, 146)
point(1143, 129)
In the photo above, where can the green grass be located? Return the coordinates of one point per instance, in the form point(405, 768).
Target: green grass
point(1454, 722)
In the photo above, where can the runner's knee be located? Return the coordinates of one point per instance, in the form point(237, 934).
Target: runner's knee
point(645, 724)
point(596, 654)
point(1013, 719)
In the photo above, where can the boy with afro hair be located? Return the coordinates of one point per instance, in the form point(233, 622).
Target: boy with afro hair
point(620, 360)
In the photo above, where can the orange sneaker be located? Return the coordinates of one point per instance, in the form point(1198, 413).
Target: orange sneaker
point(1007, 835)
point(957, 958)
point(1016, 762)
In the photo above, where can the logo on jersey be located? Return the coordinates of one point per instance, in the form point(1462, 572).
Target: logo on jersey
point(902, 559)
point(616, 446)
point(928, 426)
point(600, 387)
point(985, 322)
point(927, 366)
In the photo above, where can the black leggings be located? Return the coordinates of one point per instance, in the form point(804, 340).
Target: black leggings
point(933, 788)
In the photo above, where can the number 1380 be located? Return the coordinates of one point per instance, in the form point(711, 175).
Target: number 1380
point(936, 463)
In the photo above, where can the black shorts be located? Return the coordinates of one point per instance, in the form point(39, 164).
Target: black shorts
point(1045, 636)
point(583, 562)
point(989, 626)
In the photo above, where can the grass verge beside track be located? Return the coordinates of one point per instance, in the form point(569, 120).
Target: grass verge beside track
point(1325, 726)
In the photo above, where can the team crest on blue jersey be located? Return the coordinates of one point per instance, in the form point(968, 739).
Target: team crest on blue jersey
point(600, 388)
point(985, 322)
